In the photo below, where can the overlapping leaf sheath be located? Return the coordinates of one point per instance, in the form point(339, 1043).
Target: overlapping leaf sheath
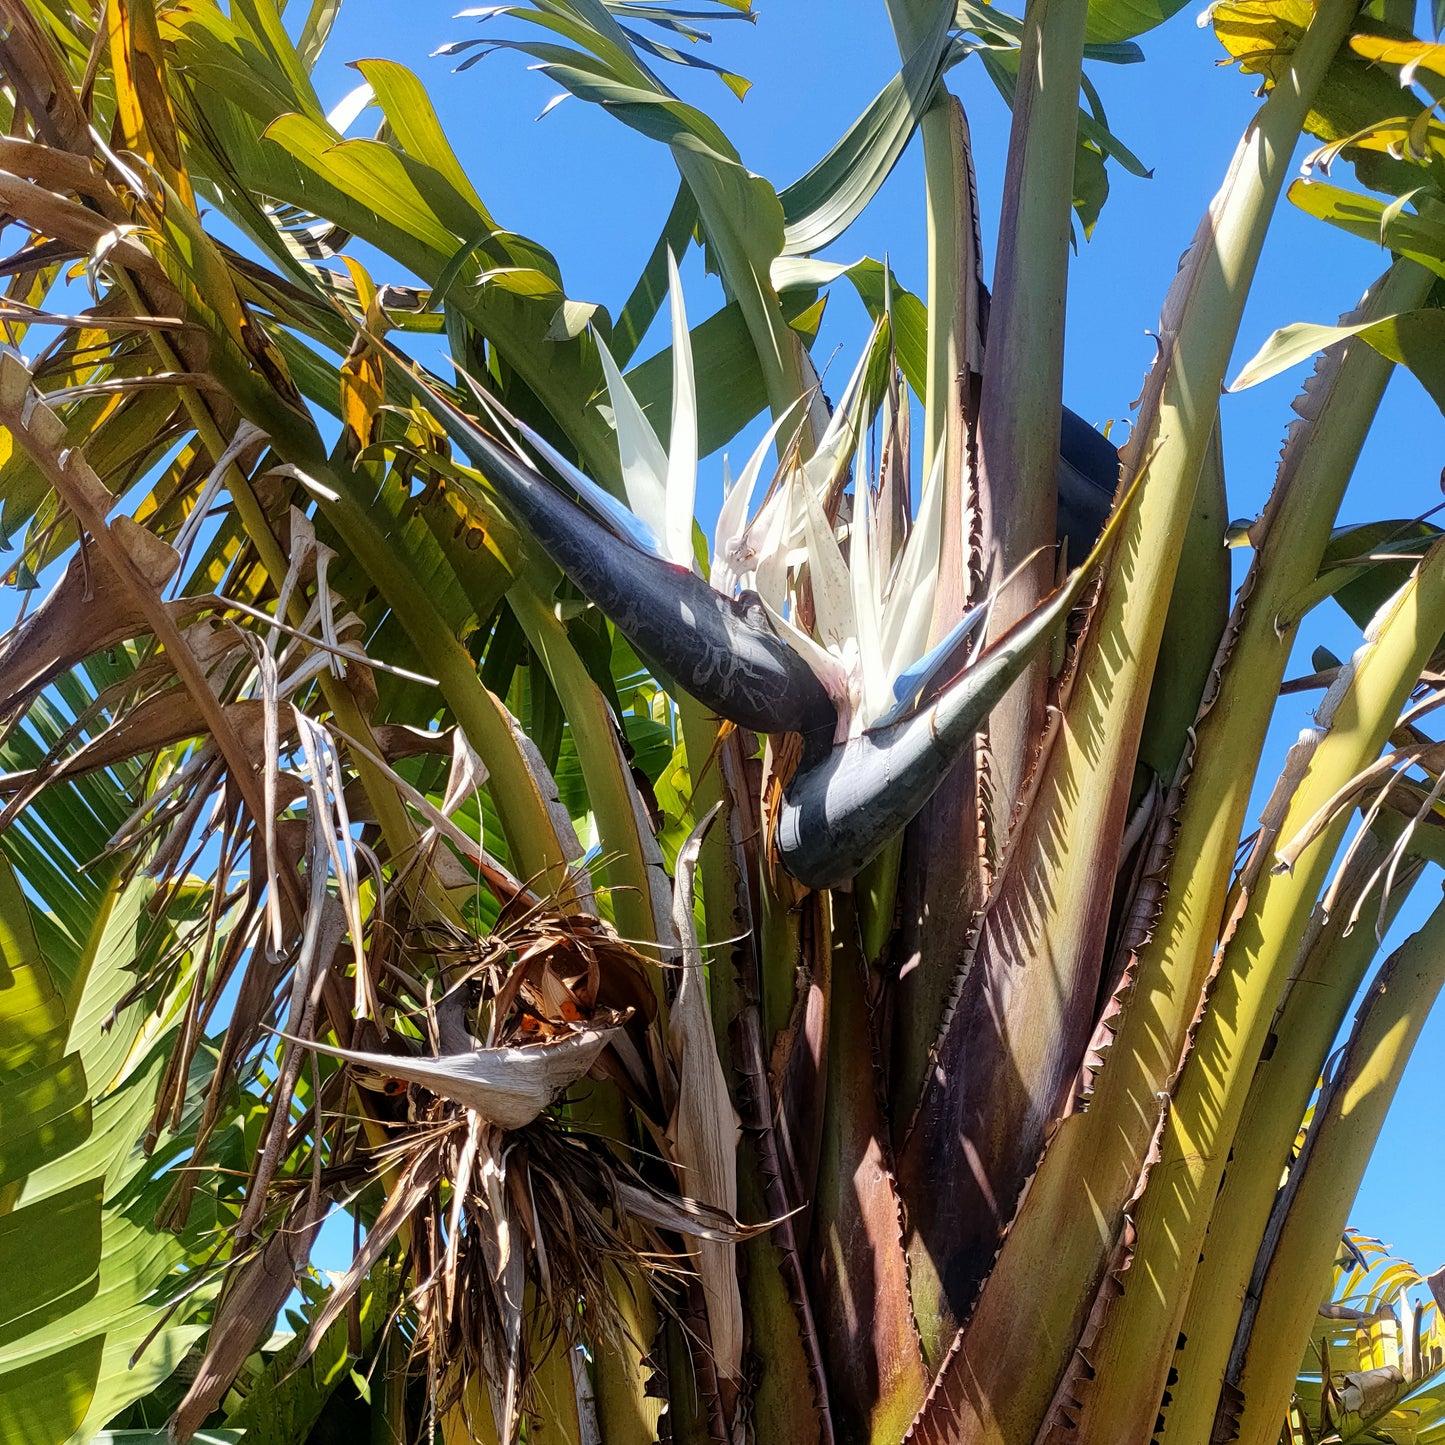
point(1037, 986)
point(865, 1316)
point(1023, 374)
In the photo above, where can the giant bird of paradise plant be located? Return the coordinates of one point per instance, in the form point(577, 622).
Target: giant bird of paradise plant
point(802, 984)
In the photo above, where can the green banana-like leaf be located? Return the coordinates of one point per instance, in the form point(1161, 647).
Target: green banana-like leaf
point(265, 134)
point(134, 1259)
point(33, 1020)
point(50, 1251)
point(1111, 21)
point(83, 1228)
point(279, 1402)
point(1420, 237)
point(46, 1402)
point(1392, 549)
point(647, 295)
point(44, 1112)
point(821, 205)
point(741, 217)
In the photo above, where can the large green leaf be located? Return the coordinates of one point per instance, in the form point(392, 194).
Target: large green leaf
point(647, 295)
point(1415, 339)
point(820, 206)
point(32, 1012)
point(261, 134)
point(881, 294)
point(741, 217)
point(1392, 549)
point(44, 1403)
point(1421, 238)
point(1113, 20)
point(57, 843)
point(91, 1270)
point(50, 1251)
point(1359, 107)
point(43, 1114)
point(414, 124)
point(49, 1259)
point(139, 1263)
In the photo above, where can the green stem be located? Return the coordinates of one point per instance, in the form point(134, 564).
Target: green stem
point(634, 864)
point(1136, 1345)
point(388, 1393)
point(1347, 1123)
point(626, 1412)
point(556, 1421)
point(1024, 372)
point(1305, 1028)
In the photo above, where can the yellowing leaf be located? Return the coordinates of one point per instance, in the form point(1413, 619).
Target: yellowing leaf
point(1261, 34)
point(363, 383)
point(32, 1012)
point(1415, 339)
point(413, 121)
point(1410, 55)
point(143, 108)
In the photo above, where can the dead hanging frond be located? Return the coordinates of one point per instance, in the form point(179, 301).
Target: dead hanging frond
point(704, 1130)
point(1384, 784)
point(91, 608)
point(1404, 799)
point(122, 545)
point(543, 1210)
point(490, 1197)
point(488, 1189)
point(518, 1016)
point(255, 1291)
point(1412, 750)
point(268, 802)
point(1380, 773)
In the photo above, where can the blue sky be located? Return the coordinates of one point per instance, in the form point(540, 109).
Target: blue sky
point(596, 194)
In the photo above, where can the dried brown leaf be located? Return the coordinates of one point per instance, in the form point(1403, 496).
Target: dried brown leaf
point(247, 1312)
point(89, 609)
point(704, 1130)
point(508, 1086)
